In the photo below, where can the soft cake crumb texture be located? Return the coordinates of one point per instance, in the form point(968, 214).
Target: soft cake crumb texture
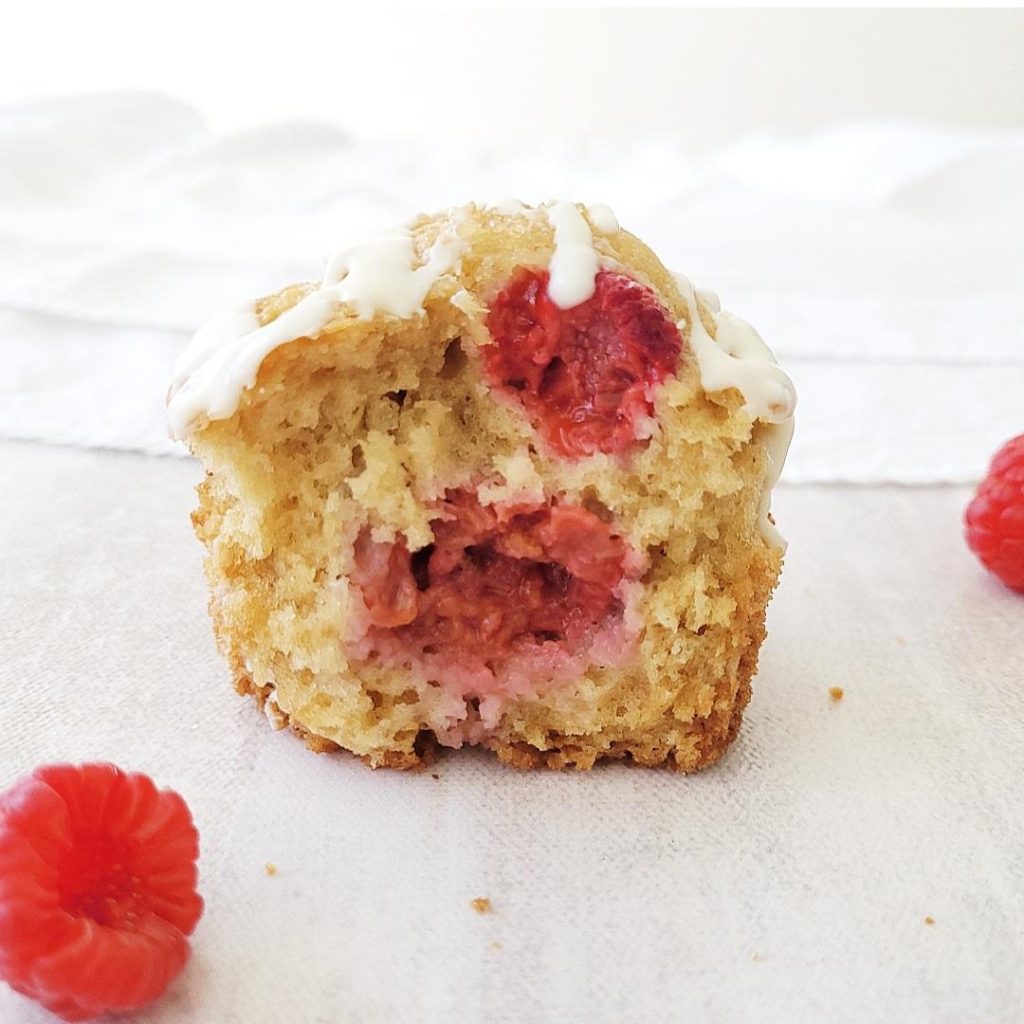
point(371, 421)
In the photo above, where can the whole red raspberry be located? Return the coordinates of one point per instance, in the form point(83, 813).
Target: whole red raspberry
point(995, 518)
point(97, 888)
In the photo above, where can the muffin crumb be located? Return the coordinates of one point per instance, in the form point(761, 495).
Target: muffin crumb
point(835, 692)
point(379, 478)
point(482, 905)
point(270, 868)
point(929, 919)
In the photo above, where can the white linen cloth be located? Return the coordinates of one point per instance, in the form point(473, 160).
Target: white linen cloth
point(883, 263)
point(787, 885)
point(790, 883)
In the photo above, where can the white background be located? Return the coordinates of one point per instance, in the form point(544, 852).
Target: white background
point(700, 75)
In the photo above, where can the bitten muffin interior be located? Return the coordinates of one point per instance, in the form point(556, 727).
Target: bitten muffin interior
point(415, 537)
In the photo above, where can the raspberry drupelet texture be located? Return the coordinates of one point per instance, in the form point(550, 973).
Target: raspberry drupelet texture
point(97, 888)
point(584, 374)
point(495, 580)
point(994, 520)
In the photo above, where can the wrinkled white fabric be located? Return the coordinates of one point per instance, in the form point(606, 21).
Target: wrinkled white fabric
point(788, 884)
point(882, 262)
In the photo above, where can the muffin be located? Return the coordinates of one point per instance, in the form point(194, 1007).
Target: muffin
point(499, 478)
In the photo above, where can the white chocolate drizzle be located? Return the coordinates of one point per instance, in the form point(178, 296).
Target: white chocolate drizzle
point(376, 276)
point(740, 359)
point(708, 297)
point(574, 263)
point(603, 218)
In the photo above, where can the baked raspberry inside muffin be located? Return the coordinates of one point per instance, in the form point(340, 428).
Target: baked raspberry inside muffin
point(499, 478)
point(585, 374)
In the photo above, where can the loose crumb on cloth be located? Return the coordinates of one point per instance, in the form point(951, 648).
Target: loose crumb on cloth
point(929, 919)
point(482, 905)
point(270, 868)
point(835, 692)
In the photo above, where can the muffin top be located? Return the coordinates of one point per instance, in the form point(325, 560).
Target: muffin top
point(464, 259)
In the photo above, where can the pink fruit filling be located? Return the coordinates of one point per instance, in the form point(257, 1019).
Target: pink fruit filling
point(498, 587)
point(583, 375)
